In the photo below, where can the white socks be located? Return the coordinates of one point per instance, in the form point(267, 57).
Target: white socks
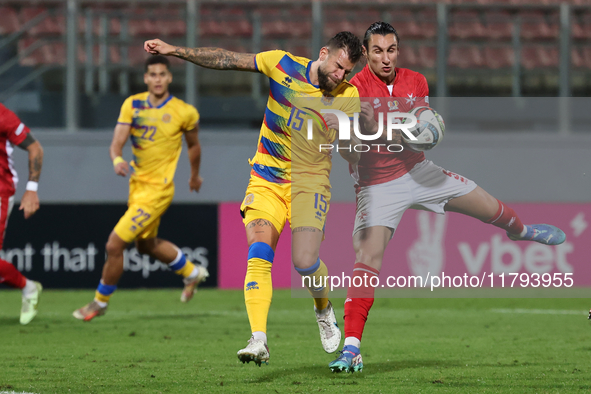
point(101, 303)
point(29, 289)
point(353, 342)
point(260, 336)
point(523, 232)
point(194, 273)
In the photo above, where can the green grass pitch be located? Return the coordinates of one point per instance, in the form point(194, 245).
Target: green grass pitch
point(148, 342)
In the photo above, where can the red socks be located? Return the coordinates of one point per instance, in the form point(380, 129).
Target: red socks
point(359, 299)
point(507, 219)
point(10, 276)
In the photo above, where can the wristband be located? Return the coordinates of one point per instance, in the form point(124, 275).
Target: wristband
point(118, 160)
point(32, 186)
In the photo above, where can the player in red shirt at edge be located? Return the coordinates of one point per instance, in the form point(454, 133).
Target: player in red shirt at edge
point(388, 183)
point(14, 132)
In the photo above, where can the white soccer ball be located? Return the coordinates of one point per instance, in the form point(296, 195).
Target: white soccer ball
point(429, 130)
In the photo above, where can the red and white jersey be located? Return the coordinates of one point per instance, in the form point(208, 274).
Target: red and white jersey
point(12, 132)
point(409, 90)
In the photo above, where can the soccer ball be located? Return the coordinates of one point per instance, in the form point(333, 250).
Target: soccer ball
point(429, 130)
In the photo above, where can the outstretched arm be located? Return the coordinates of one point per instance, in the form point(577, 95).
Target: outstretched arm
point(216, 58)
point(30, 200)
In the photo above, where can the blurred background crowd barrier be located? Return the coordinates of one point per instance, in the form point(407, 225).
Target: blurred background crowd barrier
point(69, 64)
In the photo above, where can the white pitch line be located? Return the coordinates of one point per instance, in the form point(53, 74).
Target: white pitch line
point(14, 392)
point(541, 311)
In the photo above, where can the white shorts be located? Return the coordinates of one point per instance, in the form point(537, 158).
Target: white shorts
point(427, 187)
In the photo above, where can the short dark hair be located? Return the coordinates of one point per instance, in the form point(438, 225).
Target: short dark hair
point(381, 28)
point(349, 42)
point(158, 59)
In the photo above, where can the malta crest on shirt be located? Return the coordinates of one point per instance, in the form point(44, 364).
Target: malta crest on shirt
point(393, 105)
point(166, 118)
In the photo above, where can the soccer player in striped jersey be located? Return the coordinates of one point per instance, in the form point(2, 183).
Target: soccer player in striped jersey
point(156, 123)
point(14, 132)
point(271, 197)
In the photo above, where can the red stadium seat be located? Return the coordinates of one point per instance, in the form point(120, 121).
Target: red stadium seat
point(9, 22)
point(427, 23)
point(465, 56)
point(405, 23)
point(300, 50)
point(408, 58)
point(466, 24)
point(576, 58)
point(51, 25)
point(538, 56)
point(34, 58)
point(238, 22)
point(281, 23)
point(499, 25)
point(534, 26)
point(337, 21)
point(427, 56)
point(498, 57)
point(141, 24)
point(362, 19)
point(235, 23)
point(581, 27)
point(48, 53)
point(586, 53)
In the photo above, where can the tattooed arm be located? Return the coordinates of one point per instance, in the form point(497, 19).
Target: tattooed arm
point(30, 200)
point(216, 58)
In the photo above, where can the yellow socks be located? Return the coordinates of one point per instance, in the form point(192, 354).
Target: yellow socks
point(258, 287)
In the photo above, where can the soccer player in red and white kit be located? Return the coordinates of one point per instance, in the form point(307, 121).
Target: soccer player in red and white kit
point(14, 132)
point(388, 183)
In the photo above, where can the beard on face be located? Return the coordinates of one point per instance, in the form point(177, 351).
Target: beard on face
point(324, 82)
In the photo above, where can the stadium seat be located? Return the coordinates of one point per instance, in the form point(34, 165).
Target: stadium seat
point(405, 23)
point(9, 22)
point(50, 26)
point(286, 23)
point(581, 26)
point(499, 25)
point(427, 23)
point(427, 56)
point(586, 53)
point(408, 57)
point(465, 56)
point(534, 26)
point(361, 20)
point(466, 24)
point(498, 57)
point(49, 52)
point(538, 56)
point(141, 24)
point(337, 21)
point(576, 58)
point(234, 23)
point(34, 58)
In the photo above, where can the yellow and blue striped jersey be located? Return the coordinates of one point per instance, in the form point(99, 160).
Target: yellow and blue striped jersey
point(289, 80)
point(156, 135)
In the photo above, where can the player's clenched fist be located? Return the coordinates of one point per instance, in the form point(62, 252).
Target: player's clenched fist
point(121, 168)
point(158, 47)
point(195, 183)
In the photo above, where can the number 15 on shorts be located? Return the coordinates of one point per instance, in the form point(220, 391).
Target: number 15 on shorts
point(320, 202)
